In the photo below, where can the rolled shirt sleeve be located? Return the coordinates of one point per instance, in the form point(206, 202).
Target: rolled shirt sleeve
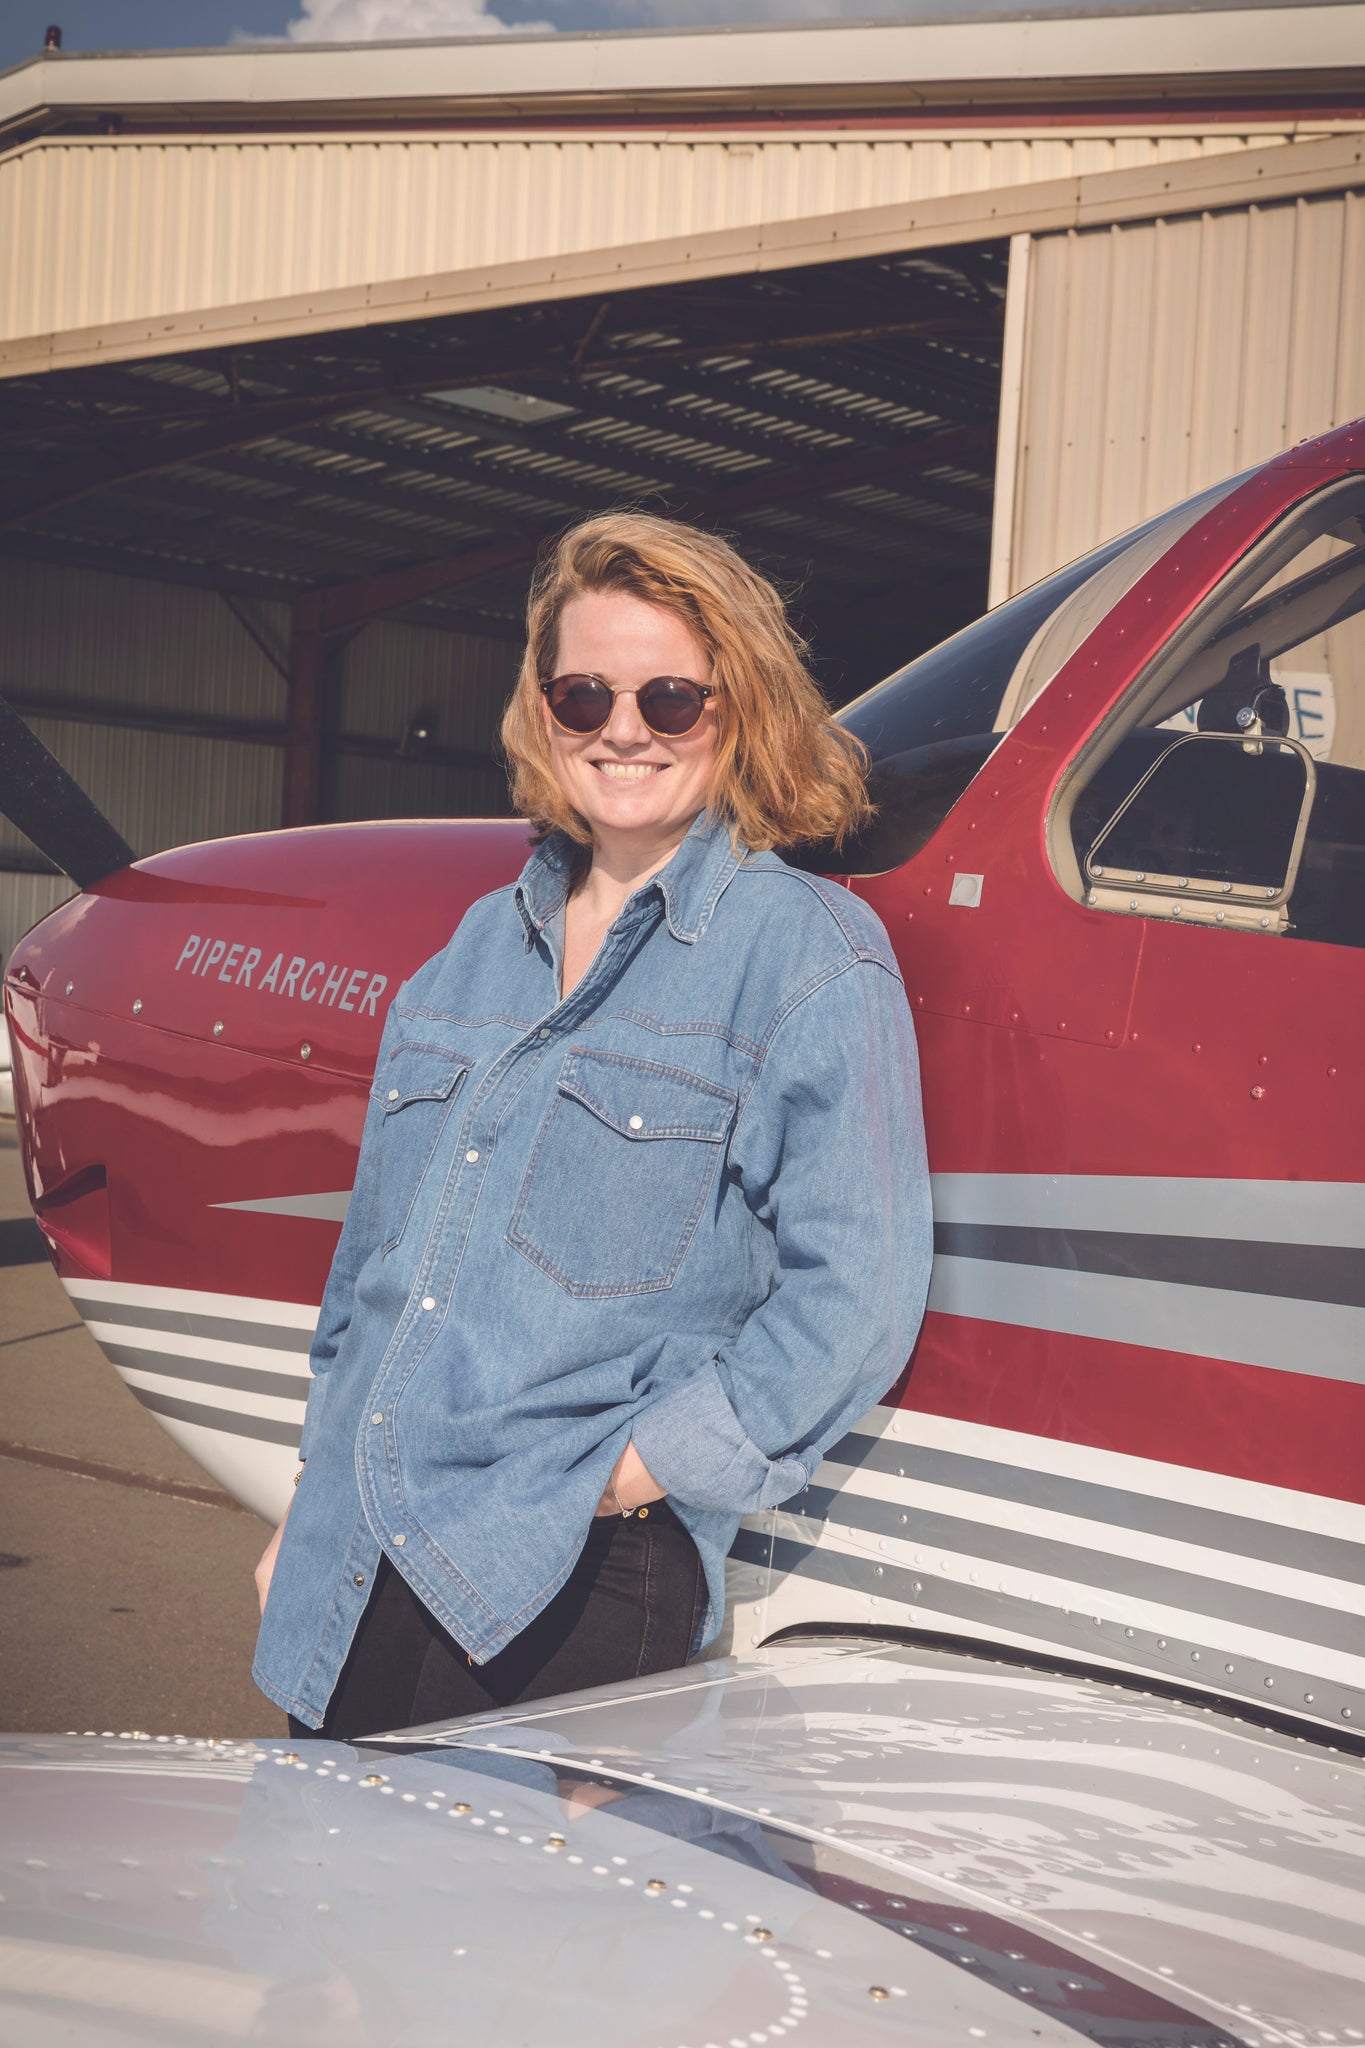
point(829, 1148)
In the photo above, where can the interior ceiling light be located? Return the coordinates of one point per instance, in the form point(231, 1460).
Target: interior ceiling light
point(519, 406)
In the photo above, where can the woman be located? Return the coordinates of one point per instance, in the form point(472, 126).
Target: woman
point(640, 1222)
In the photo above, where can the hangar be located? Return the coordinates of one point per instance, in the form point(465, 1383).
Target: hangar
point(305, 350)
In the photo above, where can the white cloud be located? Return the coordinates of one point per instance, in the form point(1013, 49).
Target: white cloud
point(396, 21)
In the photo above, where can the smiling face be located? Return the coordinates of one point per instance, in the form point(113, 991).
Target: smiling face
point(639, 793)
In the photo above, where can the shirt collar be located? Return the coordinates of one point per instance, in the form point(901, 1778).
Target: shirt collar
point(690, 886)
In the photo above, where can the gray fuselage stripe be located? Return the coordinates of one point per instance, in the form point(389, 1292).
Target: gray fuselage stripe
point(189, 1323)
point(1073, 1630)
point(1303, 1272)
point(262, 1427)
point(1313, 1339)
point(209, 1372)
point(1212, 1528)
point(1082, 1565)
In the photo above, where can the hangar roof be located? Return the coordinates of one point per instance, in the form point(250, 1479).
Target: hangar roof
point(1004, 57)
point(840, 422)
point(392, 425)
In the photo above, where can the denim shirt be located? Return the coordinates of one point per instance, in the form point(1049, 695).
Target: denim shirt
point(686, 1205)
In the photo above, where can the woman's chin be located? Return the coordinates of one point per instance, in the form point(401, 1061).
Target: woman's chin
point(628, 810)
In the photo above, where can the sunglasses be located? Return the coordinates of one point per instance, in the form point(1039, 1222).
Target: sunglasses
point(669, 705)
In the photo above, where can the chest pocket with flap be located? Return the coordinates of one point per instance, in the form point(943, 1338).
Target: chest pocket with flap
point(620, 1172)
point(416, 1090)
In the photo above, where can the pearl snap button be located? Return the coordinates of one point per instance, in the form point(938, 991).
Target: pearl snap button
point(637, 1123)
point(393, 1095)
point(378, 1415)
point(428, 1301)
point(472, 1154)
point(400, 1541)
point(545, 1031)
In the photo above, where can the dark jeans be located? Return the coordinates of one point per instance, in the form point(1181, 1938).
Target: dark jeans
point(631, 1605)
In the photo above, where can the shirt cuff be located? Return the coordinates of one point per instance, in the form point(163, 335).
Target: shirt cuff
point(698, 1451)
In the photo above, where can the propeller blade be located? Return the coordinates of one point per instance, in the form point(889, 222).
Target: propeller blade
point(38, 796)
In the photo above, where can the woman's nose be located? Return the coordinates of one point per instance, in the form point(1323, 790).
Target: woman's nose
point(625, 726)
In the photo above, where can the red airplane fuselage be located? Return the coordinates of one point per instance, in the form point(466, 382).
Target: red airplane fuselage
point(1145, 1132)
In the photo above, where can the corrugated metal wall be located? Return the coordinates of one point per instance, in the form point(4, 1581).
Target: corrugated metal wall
point(82, 636)
point(1161, 357)
point(98, 230)
point(107, 652)
point(85, 643)
point(388, 675)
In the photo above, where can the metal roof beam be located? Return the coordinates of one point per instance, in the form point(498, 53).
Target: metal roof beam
point(622, 473)
point(676, 410)
point(238, 425)
point(85, 552)
point(333, 495)
point(737, 384)
point(571, 439)
point(346, 604)
point(308, 529)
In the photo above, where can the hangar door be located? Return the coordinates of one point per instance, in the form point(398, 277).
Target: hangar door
point(1147, 360)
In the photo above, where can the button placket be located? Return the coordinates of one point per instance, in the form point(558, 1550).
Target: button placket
point(501, 1082)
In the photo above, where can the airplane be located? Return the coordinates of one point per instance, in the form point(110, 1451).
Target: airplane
point(1040, 1714)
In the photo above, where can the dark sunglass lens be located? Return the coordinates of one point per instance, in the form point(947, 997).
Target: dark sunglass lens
point(580, 703)
point(670, 705)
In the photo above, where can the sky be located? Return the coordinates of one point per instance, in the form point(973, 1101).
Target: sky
point(178, 24)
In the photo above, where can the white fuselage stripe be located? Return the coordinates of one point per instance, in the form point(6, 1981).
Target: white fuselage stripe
point(246, 1308)
point(1191, 1485)
point(991, 1511)
point(1043, 1590)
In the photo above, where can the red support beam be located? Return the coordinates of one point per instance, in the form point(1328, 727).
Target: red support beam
point(306, 684)
point(343, 606)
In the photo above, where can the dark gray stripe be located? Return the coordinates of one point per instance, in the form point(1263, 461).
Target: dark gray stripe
point(243, 1379)
point(262, 1427)
point(1081, 1566)
point(1077, 1632)
point(273, 1336)
point(1298, 1272)
point(1212, 1528)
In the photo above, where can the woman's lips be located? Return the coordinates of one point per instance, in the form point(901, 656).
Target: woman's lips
point(629, 771)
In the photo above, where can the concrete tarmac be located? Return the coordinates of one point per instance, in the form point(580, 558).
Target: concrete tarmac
point(125, 1602)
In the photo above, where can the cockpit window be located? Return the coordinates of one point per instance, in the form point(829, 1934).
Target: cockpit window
point(930, 727)
point(1229, 787)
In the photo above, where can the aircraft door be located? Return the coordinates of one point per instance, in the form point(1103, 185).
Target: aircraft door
point(1224, 810)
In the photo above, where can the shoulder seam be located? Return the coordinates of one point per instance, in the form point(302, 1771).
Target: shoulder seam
point(818, 980)
point(830, 903)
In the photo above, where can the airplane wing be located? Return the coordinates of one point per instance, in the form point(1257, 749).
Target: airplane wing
point(831, 1841)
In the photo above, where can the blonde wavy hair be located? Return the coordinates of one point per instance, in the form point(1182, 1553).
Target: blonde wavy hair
point(783, 772)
